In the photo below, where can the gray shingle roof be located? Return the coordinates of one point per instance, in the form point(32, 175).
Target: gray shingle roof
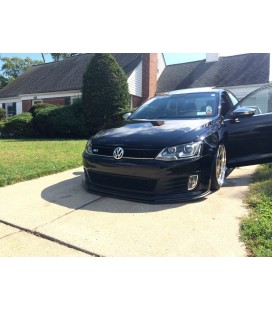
point(228, 71)
point(62, 75)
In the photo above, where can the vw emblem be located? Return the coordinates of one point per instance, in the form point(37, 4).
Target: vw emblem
point(118, 153)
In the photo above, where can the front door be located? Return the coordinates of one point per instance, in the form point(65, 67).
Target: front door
point(249, 139)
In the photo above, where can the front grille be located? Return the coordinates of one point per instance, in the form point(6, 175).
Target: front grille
point(123, 182)
point(128, 152)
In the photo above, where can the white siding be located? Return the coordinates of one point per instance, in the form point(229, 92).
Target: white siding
point(39, 96)
point(19, 107)
point(135, 81)
point(10, 101)
point(161, 64)
point(241, 91)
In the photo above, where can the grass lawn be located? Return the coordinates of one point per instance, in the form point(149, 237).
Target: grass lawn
point(256, 229)
point(22, 160)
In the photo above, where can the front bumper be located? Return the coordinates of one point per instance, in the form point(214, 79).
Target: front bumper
point(149, 181)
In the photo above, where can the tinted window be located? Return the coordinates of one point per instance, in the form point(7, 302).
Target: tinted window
point(194, 105)
point(261, 101)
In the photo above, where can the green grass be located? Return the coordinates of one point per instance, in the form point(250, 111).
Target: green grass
point(22, 160)
point(256, 229)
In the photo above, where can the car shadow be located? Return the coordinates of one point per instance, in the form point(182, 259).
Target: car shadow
point(72, 194)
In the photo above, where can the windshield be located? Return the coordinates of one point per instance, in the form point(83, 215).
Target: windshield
point(193, 105)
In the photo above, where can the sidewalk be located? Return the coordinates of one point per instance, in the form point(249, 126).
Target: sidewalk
point(55, 216)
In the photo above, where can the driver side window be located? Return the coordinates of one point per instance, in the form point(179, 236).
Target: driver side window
point(261, 101)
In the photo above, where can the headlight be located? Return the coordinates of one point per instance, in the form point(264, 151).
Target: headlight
point(183, 151)
point(88, 148)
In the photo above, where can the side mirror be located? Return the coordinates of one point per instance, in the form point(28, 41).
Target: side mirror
point(242, 113)
point(126, 116)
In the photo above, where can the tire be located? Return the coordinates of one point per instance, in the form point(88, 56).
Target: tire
point(219, 168)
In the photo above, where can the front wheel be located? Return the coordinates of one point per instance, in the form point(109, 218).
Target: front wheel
point(218, 168)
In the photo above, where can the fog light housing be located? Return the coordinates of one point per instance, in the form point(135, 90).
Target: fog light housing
point(192, 182)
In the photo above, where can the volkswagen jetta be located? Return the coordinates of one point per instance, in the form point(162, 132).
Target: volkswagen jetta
point(180, 145)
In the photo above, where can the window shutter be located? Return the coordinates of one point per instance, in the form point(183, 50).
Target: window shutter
point(14, 108)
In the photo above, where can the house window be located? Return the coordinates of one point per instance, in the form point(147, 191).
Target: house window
point(10, 108)
point(67, 100)
point(36, 101)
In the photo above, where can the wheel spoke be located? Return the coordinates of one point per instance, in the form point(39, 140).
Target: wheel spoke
point(220, 164)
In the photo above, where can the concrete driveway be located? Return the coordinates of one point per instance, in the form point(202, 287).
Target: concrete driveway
point(55, 216)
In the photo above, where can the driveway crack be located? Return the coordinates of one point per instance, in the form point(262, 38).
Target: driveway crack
point(44, 236)
point(47, 237)
point(57, 218)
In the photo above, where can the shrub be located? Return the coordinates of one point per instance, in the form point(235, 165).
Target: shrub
point(105, 94)
point(41, 119)
point(18, 126)
point(36, 108)
point(47, 121)
point(61, 122)
point(2, 114)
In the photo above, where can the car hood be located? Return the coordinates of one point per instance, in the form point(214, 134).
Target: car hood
point(152, 134)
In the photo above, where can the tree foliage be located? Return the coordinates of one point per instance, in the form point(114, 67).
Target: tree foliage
point(13, 67)
point(105, 94)
point(3, 81)
point(2, 114)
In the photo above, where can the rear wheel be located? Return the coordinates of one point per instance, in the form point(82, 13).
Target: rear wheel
point(218, 168)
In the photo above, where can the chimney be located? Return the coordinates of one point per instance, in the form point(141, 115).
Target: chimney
point(212, 57)
point(149, 75)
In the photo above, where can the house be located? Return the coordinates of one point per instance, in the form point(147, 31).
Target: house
point(61, 82)
point(241, 74)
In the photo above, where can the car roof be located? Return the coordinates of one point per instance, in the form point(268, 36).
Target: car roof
point(193, 90)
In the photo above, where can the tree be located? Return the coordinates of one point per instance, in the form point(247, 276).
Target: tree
point(105, 94)
point(13, 67)
point(3, 81)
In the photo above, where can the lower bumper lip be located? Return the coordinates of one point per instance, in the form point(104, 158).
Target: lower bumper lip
point(143, 181)
point(150, 199)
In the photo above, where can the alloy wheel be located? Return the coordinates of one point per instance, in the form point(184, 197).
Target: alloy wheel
point(220, 164)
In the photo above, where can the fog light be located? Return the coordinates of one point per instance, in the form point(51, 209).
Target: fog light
point(192, 183)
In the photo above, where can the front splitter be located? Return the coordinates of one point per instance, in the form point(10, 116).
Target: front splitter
point(150, 199)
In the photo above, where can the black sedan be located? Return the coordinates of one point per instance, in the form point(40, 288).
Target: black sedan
point(180, 145)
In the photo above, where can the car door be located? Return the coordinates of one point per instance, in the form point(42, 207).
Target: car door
point(249, 129)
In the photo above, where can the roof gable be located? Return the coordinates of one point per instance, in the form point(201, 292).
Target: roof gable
point(228, 71)
point(62, 75)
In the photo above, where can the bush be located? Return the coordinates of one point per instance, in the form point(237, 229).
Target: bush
point(2, 114)
point(61, 122)
point(18, 126)
point(105, 94)
point(47, 121)
point(41, 119)
point(36, 108)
